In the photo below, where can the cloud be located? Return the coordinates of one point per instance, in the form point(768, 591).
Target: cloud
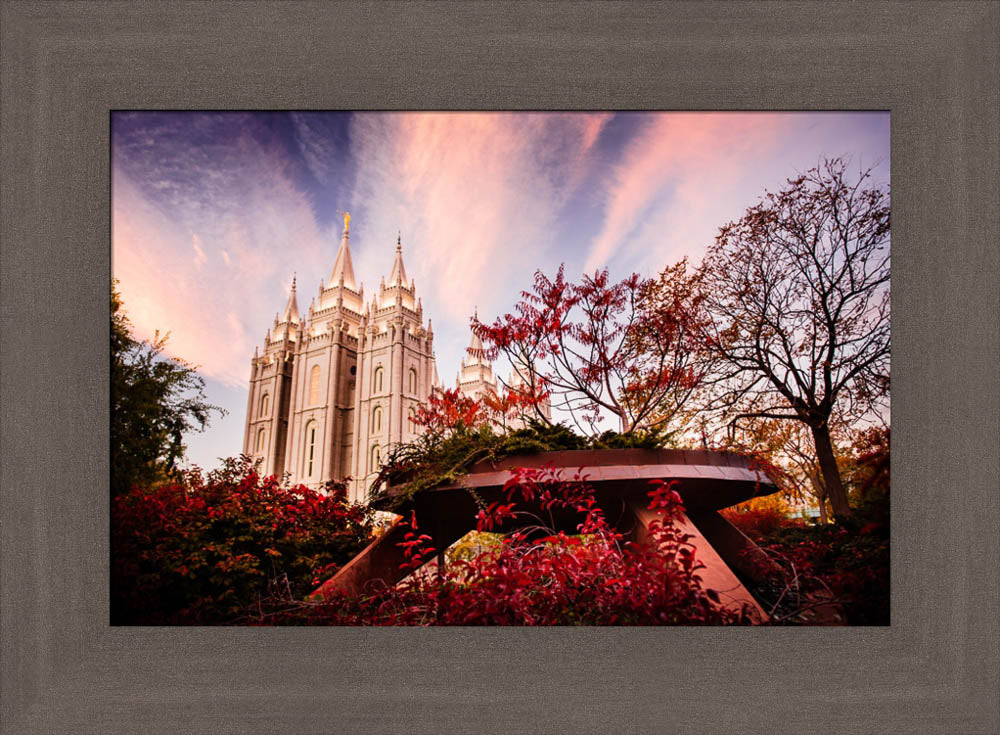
point(213, 212)
point(315, 144)
point(207, 228)
point(199, 254)
point(476, 196)
point(670, 179)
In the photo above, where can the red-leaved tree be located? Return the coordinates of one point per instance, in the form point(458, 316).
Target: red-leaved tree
point(449, 409)
point(626, 349)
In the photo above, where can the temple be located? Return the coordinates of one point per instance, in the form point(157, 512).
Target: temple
point(332, 389)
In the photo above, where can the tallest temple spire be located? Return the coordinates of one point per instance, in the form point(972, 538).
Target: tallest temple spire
point(291, 315)
point(343, 270)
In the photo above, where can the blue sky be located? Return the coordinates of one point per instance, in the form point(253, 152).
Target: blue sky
point(213, 213)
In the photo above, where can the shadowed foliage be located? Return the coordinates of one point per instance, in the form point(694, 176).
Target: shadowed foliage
point(155, 400)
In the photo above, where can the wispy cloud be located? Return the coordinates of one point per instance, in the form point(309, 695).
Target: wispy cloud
point(199, 254)
point(476, 197)
point(318, 149)
point(198, 233)
point(670, 175)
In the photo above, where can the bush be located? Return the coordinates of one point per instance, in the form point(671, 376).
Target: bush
point(843, 566)
point(538, 577)
point(760, 516)
point(449, 447)
point(206, 551)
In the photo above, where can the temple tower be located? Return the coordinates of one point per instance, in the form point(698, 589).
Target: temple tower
point(265, 434)
point(331, 391)
point(476, 376)
point(323, 382)
point(396, 371)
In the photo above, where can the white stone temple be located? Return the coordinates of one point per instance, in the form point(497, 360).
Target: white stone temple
point(330, 391)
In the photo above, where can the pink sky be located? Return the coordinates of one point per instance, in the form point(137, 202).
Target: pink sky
point(212, 213)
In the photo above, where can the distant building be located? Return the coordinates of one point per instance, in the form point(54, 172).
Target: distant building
point(332, 390)
point(475, 379)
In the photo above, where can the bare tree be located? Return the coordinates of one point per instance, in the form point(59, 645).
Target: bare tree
point(798, 293)
point(787, 446)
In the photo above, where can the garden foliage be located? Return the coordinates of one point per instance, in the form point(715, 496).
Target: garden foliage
point(458, 432)
point(155, 401)
point(823, 572)
point(207, 550)
point(536, 576)
point(761, 516)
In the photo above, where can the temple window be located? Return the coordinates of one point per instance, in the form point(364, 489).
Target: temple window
point(314, 385)
point(310, 447)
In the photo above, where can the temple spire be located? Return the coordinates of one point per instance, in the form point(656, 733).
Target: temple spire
point(343, 269)
point(291, 314)
point(475, 349)
point(398, 275)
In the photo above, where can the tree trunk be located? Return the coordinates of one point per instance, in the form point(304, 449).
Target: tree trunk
point(831, 473)
point(822, 511)
point(820, 494)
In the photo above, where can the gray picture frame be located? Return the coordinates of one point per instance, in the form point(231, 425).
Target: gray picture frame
point(66, 65)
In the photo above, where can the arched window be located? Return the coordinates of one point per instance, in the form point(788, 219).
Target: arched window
point(310, 459)
point(413, 381)
point(314, 385)
point(261, 438)
point(411, 419)
point(265, 404)
point(377, 419)
point(377, 380)
point(376, 458)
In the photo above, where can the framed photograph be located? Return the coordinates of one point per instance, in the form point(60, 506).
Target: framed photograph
point(71, 74)
point(622, 358)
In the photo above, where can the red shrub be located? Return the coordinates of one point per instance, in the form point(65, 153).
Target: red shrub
point(206, 551)
point(536, 579)
point(843, 565)
point(449, 409)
